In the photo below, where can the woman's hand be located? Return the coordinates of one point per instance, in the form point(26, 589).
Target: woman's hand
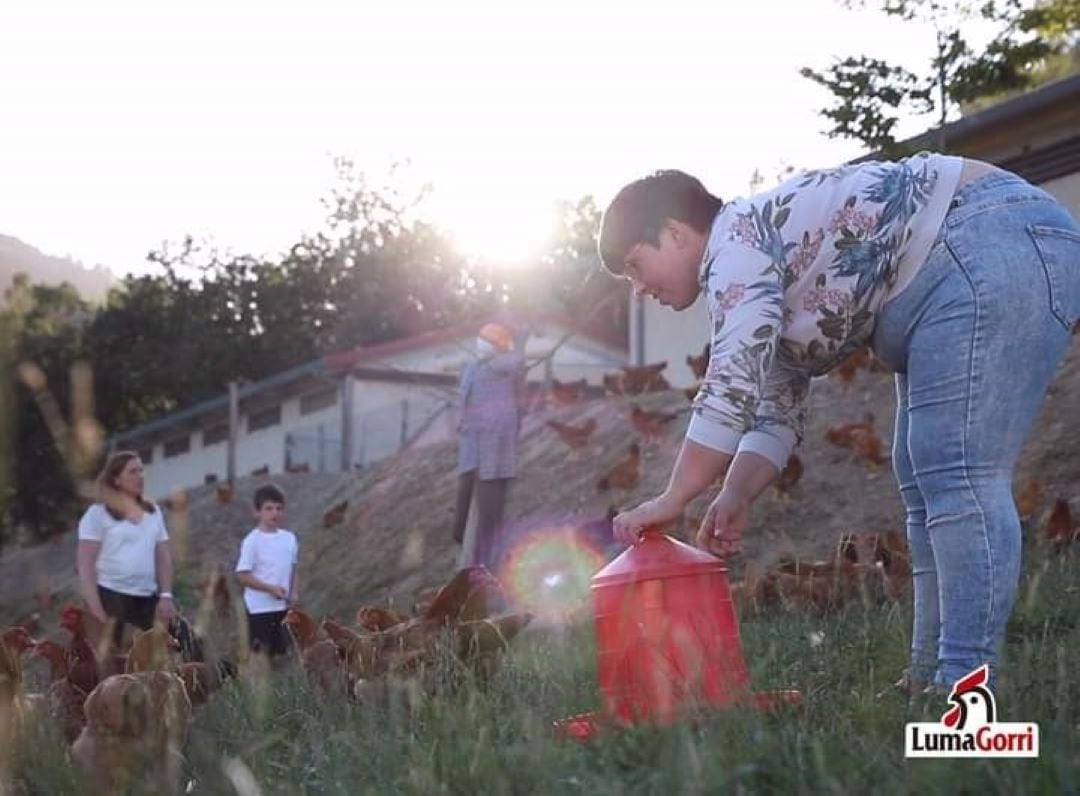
point(166, 610)
point(723, 525)
point(628, 525)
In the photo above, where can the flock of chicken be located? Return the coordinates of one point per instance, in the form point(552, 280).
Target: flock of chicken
point(126, 713)
point(872, 566)
point(468, 622)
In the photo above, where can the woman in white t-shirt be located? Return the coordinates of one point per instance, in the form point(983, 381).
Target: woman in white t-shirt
point(124, 561)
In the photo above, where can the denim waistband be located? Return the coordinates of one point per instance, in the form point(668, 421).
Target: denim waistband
point(992, 180)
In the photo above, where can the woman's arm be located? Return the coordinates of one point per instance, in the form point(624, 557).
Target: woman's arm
point(695, 471)
point(86, 562)
point(163, 568)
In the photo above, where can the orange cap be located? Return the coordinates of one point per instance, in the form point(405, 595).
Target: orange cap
point(498, 335)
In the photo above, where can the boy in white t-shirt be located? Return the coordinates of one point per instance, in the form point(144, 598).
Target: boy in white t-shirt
point(267, 570)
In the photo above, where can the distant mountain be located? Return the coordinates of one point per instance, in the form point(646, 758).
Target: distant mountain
point(92, 283)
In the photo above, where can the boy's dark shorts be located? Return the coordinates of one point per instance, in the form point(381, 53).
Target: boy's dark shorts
point(266, 633)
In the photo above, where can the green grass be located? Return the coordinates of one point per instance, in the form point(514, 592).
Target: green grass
point(845, 739)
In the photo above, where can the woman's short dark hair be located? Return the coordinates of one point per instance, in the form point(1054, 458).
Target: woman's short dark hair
point(107, 492)
point(268, 493)
point(638, 212)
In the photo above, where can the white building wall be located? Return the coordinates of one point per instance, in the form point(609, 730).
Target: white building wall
point(672, 336)
point(380, 419)
point(165, 474)
point(265, 447)
point(1067, 191)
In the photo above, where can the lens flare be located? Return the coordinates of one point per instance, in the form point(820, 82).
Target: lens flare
point(548, 573)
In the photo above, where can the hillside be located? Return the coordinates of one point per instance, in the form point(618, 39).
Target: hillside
point(15, 256)
point(395, 537)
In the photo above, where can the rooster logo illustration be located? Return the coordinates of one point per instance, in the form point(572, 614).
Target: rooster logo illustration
point(972, 702)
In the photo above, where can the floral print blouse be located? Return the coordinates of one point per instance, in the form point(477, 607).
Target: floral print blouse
point(794, 279)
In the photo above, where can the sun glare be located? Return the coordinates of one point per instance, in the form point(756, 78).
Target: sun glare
point(498, 229)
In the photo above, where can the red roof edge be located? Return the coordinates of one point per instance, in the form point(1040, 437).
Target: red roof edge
point(340, 360)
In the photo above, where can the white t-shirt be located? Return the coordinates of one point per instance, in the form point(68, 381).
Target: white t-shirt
point(270, 556)
point(125, 562)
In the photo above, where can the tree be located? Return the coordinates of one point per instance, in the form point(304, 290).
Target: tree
point(870, 94)
point(47, 324)
point(170, 339)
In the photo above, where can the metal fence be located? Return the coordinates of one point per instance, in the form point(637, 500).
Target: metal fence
point(377, 434)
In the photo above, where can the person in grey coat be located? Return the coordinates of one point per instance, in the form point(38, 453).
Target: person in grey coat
point(491, 403)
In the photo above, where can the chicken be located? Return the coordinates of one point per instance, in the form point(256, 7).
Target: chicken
point(264, 470)
point(375, 618)
point(821, 586)
point(868, 447)
point(644, 378)
point(692, 392)
point(567, 393)
point(847, 369)
point(626, 472)
point(303, 629)
point(863, 440)
point(841, 434)
point(84, 667)
point(1027, 501)
point(871, 566)
point(224, 493)
point(612, 383)
point(341, 635)
point(699, 364)
point(1060, 530)
point(473, 593)
point(649, 425)
point(423, 599)
point(576, 437)
point(789, 476)
point(82, 623)
point(64, 699)
point(152, 650)
point(136, 726)
point(201, 680)
point(14, 643)
point(480, 641)
point(892, 551)
point(320, 658)
point(335, 514)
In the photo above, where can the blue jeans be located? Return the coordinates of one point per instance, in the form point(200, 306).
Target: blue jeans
point(975, 339)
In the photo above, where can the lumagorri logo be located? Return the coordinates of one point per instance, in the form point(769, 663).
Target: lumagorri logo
point(969, 728)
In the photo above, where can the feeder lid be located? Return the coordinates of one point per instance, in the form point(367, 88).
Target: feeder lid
point(657, 555)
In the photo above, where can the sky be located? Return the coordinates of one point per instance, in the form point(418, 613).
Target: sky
point(125, 125)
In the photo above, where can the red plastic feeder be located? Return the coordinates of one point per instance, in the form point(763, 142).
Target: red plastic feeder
point(667, 638)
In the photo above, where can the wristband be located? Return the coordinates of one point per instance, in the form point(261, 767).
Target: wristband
point(165, 594)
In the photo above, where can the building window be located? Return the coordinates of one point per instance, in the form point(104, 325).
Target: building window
point(215, 434)
point(146, 455)
point(313, 402)
point(264, 418)
point(177, 446)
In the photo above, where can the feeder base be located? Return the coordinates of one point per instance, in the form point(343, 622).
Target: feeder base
point(585, 727)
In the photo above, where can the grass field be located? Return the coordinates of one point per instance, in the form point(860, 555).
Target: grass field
point(280, 738)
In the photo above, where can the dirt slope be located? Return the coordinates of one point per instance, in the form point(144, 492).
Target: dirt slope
point(395, 537)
